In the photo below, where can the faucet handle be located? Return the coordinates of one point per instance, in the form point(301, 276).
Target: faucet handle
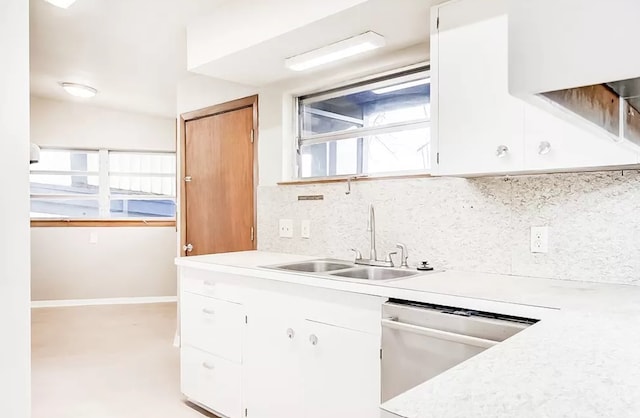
point(404, 256)
point(358, 253)
point(388, 259)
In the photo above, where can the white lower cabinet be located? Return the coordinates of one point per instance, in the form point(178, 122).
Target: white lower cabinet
point(341, 372)
point(308, 369)
point(292, 352)
point(211, 381)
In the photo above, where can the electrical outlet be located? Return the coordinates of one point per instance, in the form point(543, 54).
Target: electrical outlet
point(286, 228)
point(305, 229)
point(539, 239)
point(93, 237)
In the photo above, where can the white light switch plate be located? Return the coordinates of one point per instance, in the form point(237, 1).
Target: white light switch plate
point(539, 239)
point(305, 229)
point(286, 228)
point(93, 238)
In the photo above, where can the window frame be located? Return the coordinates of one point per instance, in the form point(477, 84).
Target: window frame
point(104, 196)
point(374, 82)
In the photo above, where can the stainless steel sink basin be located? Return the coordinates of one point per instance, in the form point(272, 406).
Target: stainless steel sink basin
point(315, 266)
point(374, 273)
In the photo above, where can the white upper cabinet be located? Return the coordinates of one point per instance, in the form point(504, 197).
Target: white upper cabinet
point(478, 125)
point(553, 143)
point(560, 44)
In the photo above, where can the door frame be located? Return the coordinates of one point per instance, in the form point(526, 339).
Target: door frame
point(246, 102)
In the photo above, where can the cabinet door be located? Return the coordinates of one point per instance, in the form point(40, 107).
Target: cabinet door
point(272, 377)
point(476, 114)
point(341, 372)
point(552, 143)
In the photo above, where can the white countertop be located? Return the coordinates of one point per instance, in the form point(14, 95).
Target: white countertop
point(581, 360)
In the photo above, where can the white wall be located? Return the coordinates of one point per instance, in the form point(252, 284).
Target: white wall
point(15, 350)
point(79, 125)
point(125, 262)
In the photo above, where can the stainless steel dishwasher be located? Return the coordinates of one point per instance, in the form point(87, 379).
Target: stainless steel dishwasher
point(420, 341)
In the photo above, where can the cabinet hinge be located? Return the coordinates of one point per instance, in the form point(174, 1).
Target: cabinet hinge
point(437, 158)
point(252, 233)
point(381, 354)
point(246, 412)
point(246, 319)
point(438, 22)
point(252, 135)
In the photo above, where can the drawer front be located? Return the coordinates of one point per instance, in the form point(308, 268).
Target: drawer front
point(212, 325)
point(212, 381)
point(207, 283)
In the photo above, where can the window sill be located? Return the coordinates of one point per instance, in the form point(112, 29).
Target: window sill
point(100, 223)
point(340, 179)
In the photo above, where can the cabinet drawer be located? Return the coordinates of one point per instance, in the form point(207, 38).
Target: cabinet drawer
point(207, 283)
point(212, 325)
point(209, 380)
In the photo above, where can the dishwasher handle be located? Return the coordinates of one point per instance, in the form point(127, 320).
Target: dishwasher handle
point(439, 334)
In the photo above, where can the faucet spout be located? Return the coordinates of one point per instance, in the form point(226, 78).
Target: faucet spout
point(372, 227)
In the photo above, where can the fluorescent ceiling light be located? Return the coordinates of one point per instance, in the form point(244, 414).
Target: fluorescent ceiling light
point(403, 86)
point(64, 4)
point(79, 90)
point(336, 51)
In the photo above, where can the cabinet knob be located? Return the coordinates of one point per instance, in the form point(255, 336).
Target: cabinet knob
point(544, 147)
point(208, 311)
point(313, 339)
point(291, 333)
point(502, 151)
point(208, 366)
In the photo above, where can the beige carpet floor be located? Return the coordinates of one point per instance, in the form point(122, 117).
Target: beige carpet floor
point(107, 362)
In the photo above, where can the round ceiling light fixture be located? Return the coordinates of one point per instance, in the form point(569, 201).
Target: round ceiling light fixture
point(79, 90)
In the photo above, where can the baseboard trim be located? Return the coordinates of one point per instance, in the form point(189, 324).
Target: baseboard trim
point(105, 301)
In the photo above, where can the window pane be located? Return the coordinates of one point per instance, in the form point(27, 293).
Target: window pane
point(67, 160)
point(142, 185)
point(146, 163)
point(390, 152)
point(60, 208)
point(143, 208)
point(376, 104)
point(64, 184)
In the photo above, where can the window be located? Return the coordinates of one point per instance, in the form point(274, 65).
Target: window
point(379, 126)
point(102, 184)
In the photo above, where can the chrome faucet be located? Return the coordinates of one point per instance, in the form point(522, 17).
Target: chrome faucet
point(373, 254)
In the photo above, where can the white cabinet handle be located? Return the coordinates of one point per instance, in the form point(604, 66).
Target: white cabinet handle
point(502, 151)
point(209, 283)
point(313, 339)
point(544, 147)
point(208, 366)
point(291, 333)
point(208, 311)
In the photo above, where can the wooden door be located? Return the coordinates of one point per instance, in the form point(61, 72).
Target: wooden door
point(219, 183)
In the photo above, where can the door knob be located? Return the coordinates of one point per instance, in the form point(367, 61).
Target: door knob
point(188, 248)
point(313, 339)
point(290, 333)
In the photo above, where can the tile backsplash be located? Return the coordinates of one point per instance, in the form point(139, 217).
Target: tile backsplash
point(480, 224)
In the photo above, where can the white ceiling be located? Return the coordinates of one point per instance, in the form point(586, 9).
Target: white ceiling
point(132, 51)
point(402, 22)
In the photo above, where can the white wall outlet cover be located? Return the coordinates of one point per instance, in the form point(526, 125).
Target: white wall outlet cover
point(93, 238)
point(305, 229)
point(539, 239)
point(286, 228)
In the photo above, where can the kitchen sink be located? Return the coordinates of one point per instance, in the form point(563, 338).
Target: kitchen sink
point(315, 266)
point(374, 273)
